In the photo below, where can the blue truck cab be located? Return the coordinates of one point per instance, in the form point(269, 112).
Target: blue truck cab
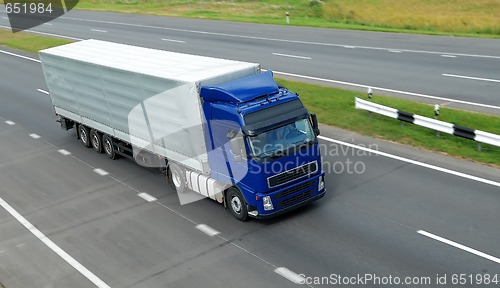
point(263, 146)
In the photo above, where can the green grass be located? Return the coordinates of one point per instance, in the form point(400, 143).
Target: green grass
point(336, 107)
point(28, 42)
point(479, 18)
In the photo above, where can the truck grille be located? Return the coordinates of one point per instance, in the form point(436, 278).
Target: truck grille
point(292, 174)
point(295, 189)
point(295, 199)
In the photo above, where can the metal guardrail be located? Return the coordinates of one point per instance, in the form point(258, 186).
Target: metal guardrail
point(437, 125)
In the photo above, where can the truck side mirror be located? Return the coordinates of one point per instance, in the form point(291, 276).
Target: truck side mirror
point(236, 145)
point(314, 121)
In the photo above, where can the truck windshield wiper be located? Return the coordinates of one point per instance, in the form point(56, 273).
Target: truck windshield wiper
point(279, 154)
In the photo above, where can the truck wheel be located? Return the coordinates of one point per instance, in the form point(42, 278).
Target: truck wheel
point(83, 133)
point(177, 177)
point(95, 140)
point(108, 147)
point(237, 204)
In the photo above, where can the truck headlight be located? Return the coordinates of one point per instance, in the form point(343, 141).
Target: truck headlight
point(268, 203)
point(321, 183)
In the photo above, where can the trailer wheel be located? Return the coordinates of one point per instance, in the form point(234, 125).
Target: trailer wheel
point(237, 204)
point(95, 140)
point(108, 147)
point(83, 133)
point(177, 177)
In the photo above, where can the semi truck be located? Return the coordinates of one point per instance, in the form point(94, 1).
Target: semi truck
point(222, 128)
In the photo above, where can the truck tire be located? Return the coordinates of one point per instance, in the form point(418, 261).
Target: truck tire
point(178, 177)
point(96, 140)
point(83, 133)
point(237, 204)
point(108, 147)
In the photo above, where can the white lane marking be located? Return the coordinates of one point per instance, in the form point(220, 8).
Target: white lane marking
point(53, 246)
point(20, 56)
point(42, 91)
point(101, 171)
point(207, 230)
point(172, 40)
point(64, 152)
point(35, 136)
point(292, 56)
point(414, 162)
point(388, 90)
point(50, 24)
point(349, 47)
point(147, 197)
point(5, 18)
point(290, 275)
point(101, 31)
point(338, 82)
point(459, 246)
point(448, 56)
point(277, 39)
point(10, 122)
point(472, 78)
point(395, 51)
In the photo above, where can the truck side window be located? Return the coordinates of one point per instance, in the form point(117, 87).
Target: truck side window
point(237, 145)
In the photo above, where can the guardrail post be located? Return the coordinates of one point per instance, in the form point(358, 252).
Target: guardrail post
point(436, 114)
point(369, 93)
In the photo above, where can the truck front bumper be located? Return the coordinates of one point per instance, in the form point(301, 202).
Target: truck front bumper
point(290, 208)
point(292, 197)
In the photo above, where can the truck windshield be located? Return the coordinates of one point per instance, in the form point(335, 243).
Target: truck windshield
point(279, 140)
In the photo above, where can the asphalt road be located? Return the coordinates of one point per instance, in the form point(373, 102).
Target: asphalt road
point(366, 223)
point(463, 69)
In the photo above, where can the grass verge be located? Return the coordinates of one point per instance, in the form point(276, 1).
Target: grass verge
point(28, 42)
point(336, 107)
point(479, 18)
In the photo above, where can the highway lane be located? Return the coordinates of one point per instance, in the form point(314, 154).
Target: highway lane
point(24, 259)
point(125, 240)
point(367, 223)
point(415, 71)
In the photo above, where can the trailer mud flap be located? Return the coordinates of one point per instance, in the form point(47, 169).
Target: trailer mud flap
point(65, 123)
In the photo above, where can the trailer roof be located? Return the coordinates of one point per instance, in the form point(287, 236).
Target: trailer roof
point(152, 62)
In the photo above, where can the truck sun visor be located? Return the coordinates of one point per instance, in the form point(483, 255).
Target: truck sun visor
point(262, 120)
